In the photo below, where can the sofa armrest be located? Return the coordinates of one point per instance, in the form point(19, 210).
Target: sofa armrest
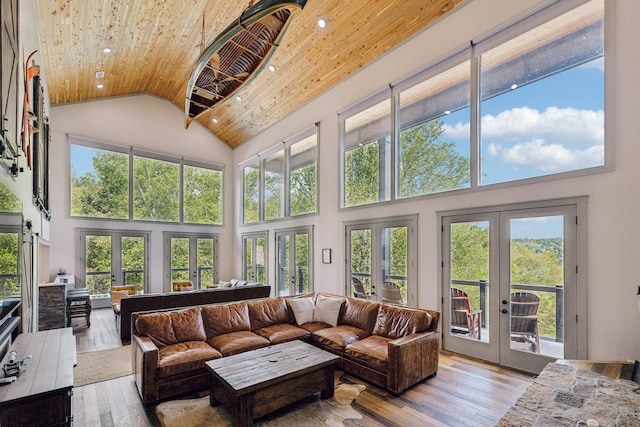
point(411, 359)
point(145, 366)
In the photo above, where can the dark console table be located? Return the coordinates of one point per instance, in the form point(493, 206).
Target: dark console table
point(42, 393)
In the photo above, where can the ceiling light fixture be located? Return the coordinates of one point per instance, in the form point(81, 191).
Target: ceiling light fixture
point(272, 68)
point(100, 86)
point(514, 86)
point(322, 23)
point(106, 50)
point(238, 99)
point(214, 120)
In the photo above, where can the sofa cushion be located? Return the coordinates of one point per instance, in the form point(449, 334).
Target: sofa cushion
point(184, 357)
point(315, 326)
point(302, 309)
point(187, 325)
point(360, 313)
point(327, 310)
point(374, 350)
point(395, 322)
point(283, 332)
point(225, 318)
point(267, 312)
point(157, 326)
point(339, 336)
point(237, 342)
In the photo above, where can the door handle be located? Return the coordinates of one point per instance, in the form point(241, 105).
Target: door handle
point(504, 311)
point(504, 302)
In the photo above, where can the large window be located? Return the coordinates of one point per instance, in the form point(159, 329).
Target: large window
point(542, 98)
point(283, 182)
point(523, 103)
point(121, 183)
point(367, 153)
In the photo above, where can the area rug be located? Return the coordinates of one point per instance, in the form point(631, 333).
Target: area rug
point(311, 411)
point(102, 365)
point(567, 396)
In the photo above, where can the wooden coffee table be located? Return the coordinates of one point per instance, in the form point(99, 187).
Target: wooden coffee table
point(258, 382)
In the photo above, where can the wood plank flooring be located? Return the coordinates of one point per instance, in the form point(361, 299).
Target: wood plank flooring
point(465, 392)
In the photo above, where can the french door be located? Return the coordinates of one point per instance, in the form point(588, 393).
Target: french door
point(254, 255)
point(380, 257)
point(294, 269)
point(191, 257)
point(113, 258)
point(510, 287)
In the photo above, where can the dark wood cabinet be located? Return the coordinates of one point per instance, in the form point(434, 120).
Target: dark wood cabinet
point(42, 393)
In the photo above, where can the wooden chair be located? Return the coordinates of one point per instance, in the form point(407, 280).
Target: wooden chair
point(391, 293)
point(524, 319)
point(358, 288)
point(463, 319)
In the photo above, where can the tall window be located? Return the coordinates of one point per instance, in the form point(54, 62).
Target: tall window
point(202, 195)
point(367, 153)
point(542, 98)
point(523, 103)
point(285, 182)
point(156, 190)
point(99, 183)
point(251, 193)
point(429, 159)
point(106, 180)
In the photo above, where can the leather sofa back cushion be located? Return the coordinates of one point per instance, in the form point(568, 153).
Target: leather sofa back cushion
point(172, 327)
point(267, 312)
point(361, 314)
point(226, 318)
point(394, 322)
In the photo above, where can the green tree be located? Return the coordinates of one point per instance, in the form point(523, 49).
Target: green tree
point(156, 190)
point(303, 190)
point(428, 164)
point(251, 195)
point(105, 192)
point(361, 175)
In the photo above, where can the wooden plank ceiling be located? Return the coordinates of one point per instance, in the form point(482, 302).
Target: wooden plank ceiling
point(155, 43)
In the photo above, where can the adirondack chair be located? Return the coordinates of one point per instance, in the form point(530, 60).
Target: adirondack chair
point(463, 319)
point(524, 318)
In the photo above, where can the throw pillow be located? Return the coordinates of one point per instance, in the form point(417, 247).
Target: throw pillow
point(302, 309)
point(327, 310)
point(224, 284)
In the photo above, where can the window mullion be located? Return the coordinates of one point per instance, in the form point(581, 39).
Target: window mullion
point(474, 128)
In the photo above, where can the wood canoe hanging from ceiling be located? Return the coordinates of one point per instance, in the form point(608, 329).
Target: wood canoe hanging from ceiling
point(237, 54)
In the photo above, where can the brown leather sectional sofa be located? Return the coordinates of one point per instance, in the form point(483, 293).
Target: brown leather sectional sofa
point(242, 290)
point(391, 346)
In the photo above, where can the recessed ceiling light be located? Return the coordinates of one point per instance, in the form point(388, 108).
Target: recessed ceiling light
point(100, 86)
point(322, 23)
point(238, 98)
point(272, 68)
point(106, 50)
point(514, 86)
point(214, 120)
point(447, 112)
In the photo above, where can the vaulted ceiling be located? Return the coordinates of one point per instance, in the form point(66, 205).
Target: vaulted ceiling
point(155, 44)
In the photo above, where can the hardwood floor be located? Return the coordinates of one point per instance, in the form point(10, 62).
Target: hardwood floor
point(466, 392)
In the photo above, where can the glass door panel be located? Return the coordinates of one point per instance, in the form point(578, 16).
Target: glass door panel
point(394, 256)
point(260, 257)
point(360, 266)
point(282, 245)
point(180, 259)
point(537, 284)
point(9, 250)
point(133, 259)
point(205, 258)
point(98, 271)
point(248, 246)
point(469, 278)
point(301, 279)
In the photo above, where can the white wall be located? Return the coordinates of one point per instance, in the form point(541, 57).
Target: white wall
point(613, 197)
point(145, 122)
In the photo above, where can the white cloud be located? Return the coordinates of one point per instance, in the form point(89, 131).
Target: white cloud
point(564, 126)
point(548, 157)
point(555, 139)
